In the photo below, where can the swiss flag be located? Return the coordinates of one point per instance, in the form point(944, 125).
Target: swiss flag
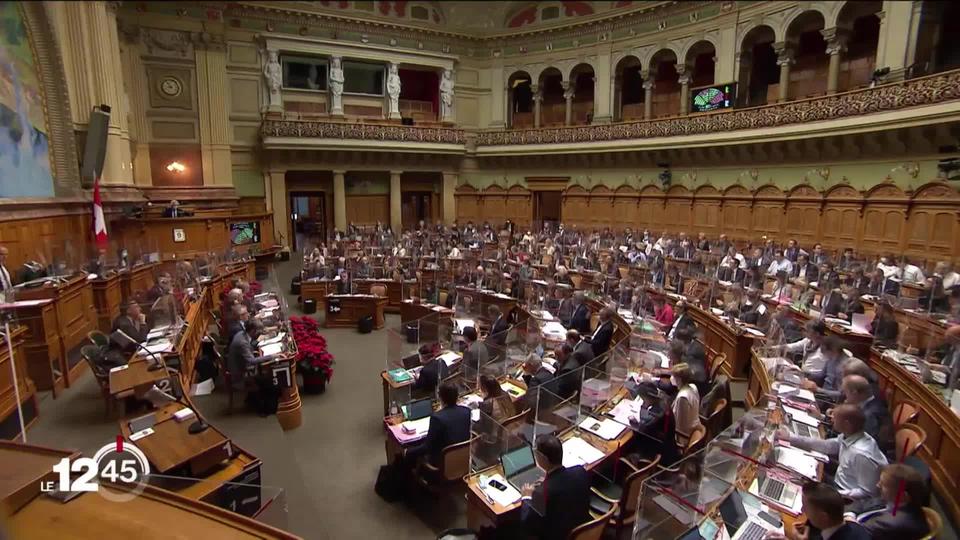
point(99, 223)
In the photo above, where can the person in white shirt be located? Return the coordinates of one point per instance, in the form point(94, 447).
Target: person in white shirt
point(455, 252)
point(782, 291)
point(686, 406)
point(912, 273)
point(780, 264)
point(808, 348)
point(945, 272)
point(887, 266)
point(6, 282)
point(733, 254)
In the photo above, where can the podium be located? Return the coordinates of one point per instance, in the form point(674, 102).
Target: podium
point(283, 371)
point(344, 310)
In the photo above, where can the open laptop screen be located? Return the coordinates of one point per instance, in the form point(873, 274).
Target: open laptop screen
point(421, 408)
point(732, 511)
point(517, 461)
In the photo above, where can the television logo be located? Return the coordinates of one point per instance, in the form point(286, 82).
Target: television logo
point(119, 463)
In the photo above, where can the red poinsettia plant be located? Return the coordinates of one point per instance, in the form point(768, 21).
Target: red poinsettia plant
point(313, 359)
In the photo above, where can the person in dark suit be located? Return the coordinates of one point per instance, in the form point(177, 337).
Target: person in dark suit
point(498, 327)
point(831, 303)
point(6, 280)
point(582, 349)
point(172, 210)
point(682, 320)
point(476, 354)
point(600, 340)
point(240, 354)
point(580, 321)
point(238, 319)
point(851, 303)
point(885, 327)
point(823, 506)
point(433, 370)
point(133, 323)
point(859, 281)
point(903, 488)
point(695, 356)
point(792, 253)
point(450, 425)
point(534, 372)
point(559, 503)
point(805, 269)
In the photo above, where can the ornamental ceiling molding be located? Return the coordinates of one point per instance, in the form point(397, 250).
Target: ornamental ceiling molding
point(931, 90)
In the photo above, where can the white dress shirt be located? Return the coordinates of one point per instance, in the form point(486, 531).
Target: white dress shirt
point(912, 274)
point(813, 360)
point(889, 270)
point(950, 279)
point(5, 281)
point(780, 266)
point(859, 462)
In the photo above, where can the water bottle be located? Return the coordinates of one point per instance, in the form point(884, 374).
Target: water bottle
point(394, 410)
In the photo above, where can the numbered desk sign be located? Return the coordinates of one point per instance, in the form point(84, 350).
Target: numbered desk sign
point(281, 376)
point(333, 306)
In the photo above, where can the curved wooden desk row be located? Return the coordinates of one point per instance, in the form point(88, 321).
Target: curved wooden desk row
point(155, 513)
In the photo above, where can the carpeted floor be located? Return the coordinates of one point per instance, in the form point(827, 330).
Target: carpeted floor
point(327, 467)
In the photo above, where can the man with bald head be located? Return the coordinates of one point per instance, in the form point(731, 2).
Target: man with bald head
point(858, 391)
point(858, 457)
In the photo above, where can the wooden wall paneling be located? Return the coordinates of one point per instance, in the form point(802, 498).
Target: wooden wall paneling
point(625, 207)
point(495, 204)
point(884, 219)
point(575, 207)
point(677, 211)
point(737, 212)
point(706, 211)
point(519, 205)
point(468, 204)
point(802, 215)
point(841, 223)
point(652, 201)
point(932, 222)
point(768, 212)
point(600, 206)
point(368, 209)
point(46, 239)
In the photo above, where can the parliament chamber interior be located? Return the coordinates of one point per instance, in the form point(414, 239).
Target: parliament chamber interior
point(561, 270)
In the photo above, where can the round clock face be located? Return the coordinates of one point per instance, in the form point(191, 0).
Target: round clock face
point(170, 87)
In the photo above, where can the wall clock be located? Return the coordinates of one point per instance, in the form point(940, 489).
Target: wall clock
point(170, 87)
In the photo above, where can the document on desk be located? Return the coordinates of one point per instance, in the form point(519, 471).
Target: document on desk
point(507, 497)
point(158, 347)
point(140, 434)
point(798, 461)
point(271, 349)
point(607, 428)
point(785, 390)
point(450, 358)
point(553, 329)
point(270, 304)
point(275, 339)
point(577, 451)
point(626, 409)
point(512, 390)
point(753, 331)
point(798, 415)
point(157, 332)
point(460, 324)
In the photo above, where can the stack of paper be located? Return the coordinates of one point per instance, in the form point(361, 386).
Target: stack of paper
point(275, 339)
point(416, 427)
point(159, 347)
point(626, 409)
point(577, 451)
point(798, 415)
point(607, 428)
point(271, 349)
point(798, 461)
point(553, 330)
point(450, 358)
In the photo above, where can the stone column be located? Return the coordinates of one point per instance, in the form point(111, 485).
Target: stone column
point(683, 72)
point(568, 92)
point(836, 45)
point(277, 204)
point(339, 200)
point(647, 94)
point(135, 76)
point(499, 101)
point(212, 98)
point(602, 98)
point(785, 59)
point(449, 200)
point(743, 66)
point(396, 207)
point(537, 98)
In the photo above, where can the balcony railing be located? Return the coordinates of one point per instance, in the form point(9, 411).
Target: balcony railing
point(928, 90)
point(322, 129)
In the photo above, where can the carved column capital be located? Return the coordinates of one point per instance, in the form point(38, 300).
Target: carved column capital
point(836, 39)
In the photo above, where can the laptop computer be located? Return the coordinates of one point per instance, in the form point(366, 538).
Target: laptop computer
point(520, 468)
point(804, 430)
point(776, 490)
point(738, 523)
point(411, 361)
point(415, 410)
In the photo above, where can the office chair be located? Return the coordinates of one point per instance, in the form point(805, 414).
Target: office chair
point(909, 438)
point(934, 522)
point(592, 530)
point(623, 496)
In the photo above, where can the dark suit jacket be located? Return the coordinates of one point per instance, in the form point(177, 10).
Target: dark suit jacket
point(847, 531)
point(832, 304)
point(685, 321)
point(542, 376)
point(580, 320)
point(232, 329)
point(852, 306)
point(125, 325)
point(600, 341)
point(885, 331)
point(583, 352)
point(810, 272)
point(476, 355)
point(908, 524)
point(240, 355)
point(564, 499)
point(498, 331)
point(449, 425)
point(430, 376)
point(878, 423)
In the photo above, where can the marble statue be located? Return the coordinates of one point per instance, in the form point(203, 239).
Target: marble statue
point(273, 74)
point(446, 96)
point(336, 86)
point(393, 91)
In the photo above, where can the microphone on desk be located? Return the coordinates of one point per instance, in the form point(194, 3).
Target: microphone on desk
point(157, 361)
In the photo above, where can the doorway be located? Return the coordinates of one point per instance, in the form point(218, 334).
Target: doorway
point(308, 212)
point(546, 207)
point(416, 206)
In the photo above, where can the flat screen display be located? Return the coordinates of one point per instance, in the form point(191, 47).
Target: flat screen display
point(713, 98)
point(247, 232)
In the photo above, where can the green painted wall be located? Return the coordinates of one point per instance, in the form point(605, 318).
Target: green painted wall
point(248, 183)
point(860, 175)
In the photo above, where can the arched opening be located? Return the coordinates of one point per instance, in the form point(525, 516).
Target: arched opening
point(947, 51)
point(861, 25)
point(553, 106)
point(666, 89)
point(628, 89)
point(582, 86)
point(759, 72)
point(520, 98)
point(808, 74)
point(700, 62)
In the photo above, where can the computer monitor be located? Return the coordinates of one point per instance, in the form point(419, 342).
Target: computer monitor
point(247, 232)
point(420, 408)
point(517, 460)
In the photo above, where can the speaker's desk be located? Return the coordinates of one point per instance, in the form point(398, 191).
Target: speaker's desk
point(155, 513)
point(344, 310)
point(317, 290)
point(171, 446)
point(397, 291)
point(9, 424)
point(107, 298)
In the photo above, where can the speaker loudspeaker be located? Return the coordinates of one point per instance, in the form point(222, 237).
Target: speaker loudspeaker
point(95, 149)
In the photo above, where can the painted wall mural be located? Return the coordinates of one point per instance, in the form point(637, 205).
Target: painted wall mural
point(24, 144)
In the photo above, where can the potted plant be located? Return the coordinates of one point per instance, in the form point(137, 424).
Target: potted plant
point(314, 362)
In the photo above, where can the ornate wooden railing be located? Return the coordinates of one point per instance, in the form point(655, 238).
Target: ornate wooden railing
point(928, 90)
point(323, 129)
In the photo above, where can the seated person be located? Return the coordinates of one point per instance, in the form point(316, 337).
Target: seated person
point(686, 404)
point(683, 320)
point(858, 391)
point(133, 323)
point(851, 303)
point(476, 355)
point(884, 326)
point(695, 356)
point(904, 494)
point(781, 292)
point(433, 370)
point(496, 403)
point(831, 303)
point(662, 312)
point(582, 350)
point(827, 387)
point(239, 315)
point(754, 311)
point(859, 458)
point(601, 337)
point(823, 506)
point(807, 350)
point(172, 210)
point(561, 502)
point(580, 319)
point(449, 425)
point(534, 372)
point(660, 430)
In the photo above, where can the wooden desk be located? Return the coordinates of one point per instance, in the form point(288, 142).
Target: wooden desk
point(397, 291)
point(352, 308)
point(107, 299)
point(317, 291)
point(22, 469)
point(172, 446)
point(46, 363)
point(941, 452)
point(135, 378)
point(9, 423)
point(485, 298)
point(289, 412)
point(137, 279)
